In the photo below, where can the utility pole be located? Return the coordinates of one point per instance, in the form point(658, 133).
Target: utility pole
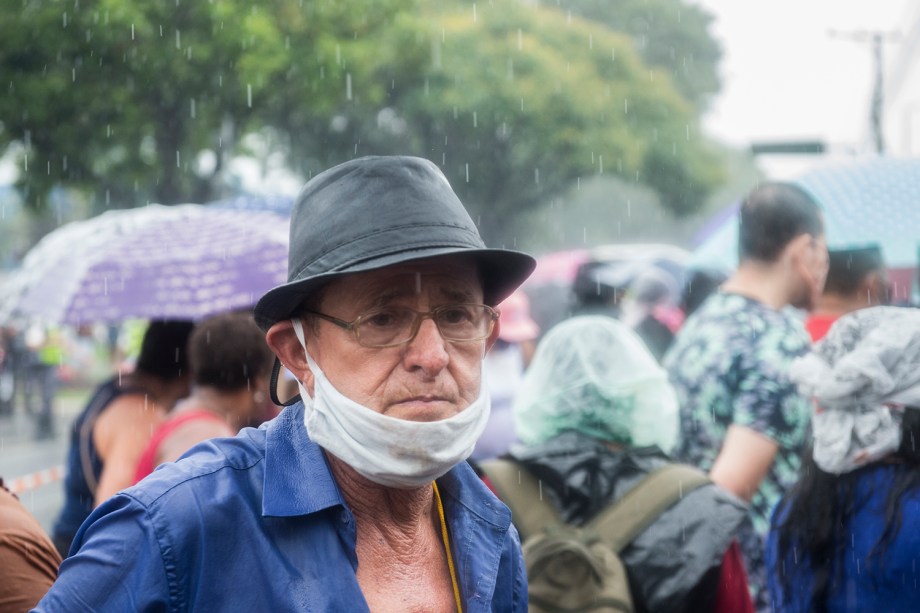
point(877, 108)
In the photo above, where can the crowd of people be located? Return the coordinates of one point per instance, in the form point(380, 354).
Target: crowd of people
point(745, 442)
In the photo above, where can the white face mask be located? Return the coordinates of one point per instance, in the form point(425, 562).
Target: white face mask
point(391, 452)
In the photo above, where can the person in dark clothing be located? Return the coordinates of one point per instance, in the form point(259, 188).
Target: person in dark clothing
point(108, 436)
point(701, 282)
point(596, 415)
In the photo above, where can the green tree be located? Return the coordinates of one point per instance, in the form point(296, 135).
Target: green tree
point(669, 34)
point(121, 97)
point(517, 103)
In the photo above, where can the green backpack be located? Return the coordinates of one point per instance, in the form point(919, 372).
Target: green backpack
point(572, 568)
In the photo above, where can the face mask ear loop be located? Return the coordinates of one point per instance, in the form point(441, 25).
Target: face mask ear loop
point(276, 369)
point(273, 386)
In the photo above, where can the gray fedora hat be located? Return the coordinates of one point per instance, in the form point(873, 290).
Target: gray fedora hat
point(374, 212)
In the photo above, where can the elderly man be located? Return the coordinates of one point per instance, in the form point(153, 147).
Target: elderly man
point(358, 498)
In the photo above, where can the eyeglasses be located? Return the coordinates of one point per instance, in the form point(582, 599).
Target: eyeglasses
point(392, 326)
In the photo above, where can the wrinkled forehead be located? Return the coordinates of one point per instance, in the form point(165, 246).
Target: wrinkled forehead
point(446, 279)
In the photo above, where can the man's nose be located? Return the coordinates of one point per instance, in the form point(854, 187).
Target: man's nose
point(428, 350)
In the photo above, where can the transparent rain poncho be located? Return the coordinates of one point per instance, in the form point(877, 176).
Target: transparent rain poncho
point(594, 375)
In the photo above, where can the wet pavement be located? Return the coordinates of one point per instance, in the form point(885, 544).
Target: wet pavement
point(35, 467)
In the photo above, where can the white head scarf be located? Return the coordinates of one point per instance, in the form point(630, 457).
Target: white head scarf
point(860, 377)
point(594, 375)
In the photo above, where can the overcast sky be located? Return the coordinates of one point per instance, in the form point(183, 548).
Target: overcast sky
point(786, 76)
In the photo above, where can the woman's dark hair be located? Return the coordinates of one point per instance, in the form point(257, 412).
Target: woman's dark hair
point(820, 507)
point(164, 349)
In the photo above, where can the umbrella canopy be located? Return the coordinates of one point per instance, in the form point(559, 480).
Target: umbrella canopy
point(869, 201)
point(865, 201)
point(165, 262)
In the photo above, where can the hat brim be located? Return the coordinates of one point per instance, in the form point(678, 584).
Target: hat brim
point(502, 271)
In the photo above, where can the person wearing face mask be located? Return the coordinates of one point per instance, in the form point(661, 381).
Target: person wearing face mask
point(356, 497)
point(742, 418)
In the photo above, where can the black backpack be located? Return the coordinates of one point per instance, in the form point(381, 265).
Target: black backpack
point(572, 568)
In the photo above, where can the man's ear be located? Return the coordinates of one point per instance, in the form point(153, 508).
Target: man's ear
point(496, 330)
point(283, 341)
point(796, 251)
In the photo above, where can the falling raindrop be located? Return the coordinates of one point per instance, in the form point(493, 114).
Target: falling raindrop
point(249, 95)
point(178, 39)
point(348, 86)
point(467, 166)
point(132, 31)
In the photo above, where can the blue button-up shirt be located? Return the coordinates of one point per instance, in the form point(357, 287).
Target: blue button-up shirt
point(258, 523)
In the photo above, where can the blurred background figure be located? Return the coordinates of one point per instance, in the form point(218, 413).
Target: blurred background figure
point(230, 365)
point(640, 294)
point(45, 353)
point(595, 415)
point(28, 560)
point(108, 436)
point(846, 536)
point(701, 283)
point(7, 370)
point(856, 279)
point(742, 417)
point(599, 287)
point(504, 368)
point(649, 308)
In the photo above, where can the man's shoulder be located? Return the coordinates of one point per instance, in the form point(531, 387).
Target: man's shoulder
point(216, 466)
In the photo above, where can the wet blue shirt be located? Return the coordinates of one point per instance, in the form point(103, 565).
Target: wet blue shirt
point(257, 523)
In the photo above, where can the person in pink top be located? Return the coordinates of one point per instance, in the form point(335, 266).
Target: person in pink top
point(230, 364)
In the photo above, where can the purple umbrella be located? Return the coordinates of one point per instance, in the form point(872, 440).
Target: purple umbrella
point(166, 262)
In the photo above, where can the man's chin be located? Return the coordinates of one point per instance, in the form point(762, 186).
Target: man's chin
point(422, 411)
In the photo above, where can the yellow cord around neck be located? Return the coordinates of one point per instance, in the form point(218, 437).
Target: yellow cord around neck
point(444, 537)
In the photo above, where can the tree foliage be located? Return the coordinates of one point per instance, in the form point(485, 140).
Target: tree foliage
point(518, 102)
point(515, 101)
point(122, 96)
point(669, 34)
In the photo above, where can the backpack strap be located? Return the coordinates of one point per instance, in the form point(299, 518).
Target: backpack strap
point(523, 494)
point(620, 523)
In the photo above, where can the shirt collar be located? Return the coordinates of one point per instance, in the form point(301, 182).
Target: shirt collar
point(297, 477)
point(298, 480)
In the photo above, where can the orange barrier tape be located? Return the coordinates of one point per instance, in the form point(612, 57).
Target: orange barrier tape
point(35, 480)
